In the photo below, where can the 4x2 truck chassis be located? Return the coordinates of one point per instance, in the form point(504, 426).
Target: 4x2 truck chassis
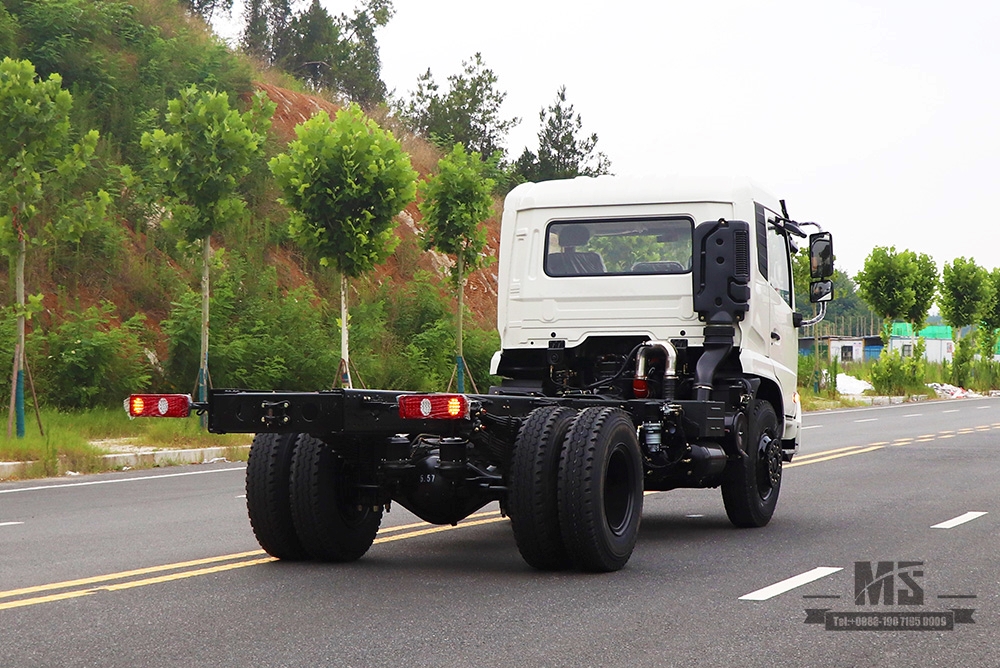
point(648, 342)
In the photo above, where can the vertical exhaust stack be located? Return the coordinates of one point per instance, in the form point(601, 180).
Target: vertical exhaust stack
point(721, 277)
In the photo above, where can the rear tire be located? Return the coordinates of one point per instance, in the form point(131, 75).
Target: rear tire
point(750, 491)
point(268, 495)
point(600, 489)
point(329, 524)
point(533, 500)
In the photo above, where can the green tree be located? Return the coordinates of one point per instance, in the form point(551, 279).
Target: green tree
point(38, 167)
point(456, 202)
point(886, 284)
point(989, 317)
point(199, 162)
point(925, 281)
point(359, 72)
point(562, 154)
point(468, 113)
point(345, 181)
point(314, 46)
point(333, 52)
point(965, 293)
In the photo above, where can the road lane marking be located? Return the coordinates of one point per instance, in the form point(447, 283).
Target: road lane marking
point(867, 420)
point(791, 583)
point(914, 415)
point(837, 456)
point(127, 574)
point(953, 410)
point(979, 408)
point(823, 453)
point(961, 519)
point(198, 567)
point(20, 603)
point(10, 524)
point(812, 426)
point(118, 480)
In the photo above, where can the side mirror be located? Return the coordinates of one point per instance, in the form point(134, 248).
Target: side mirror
point(821, 255)
point(820, 291)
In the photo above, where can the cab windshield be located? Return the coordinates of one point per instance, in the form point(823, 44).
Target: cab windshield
point(614, 247)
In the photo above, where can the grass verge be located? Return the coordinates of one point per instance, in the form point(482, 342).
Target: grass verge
point(77, 441)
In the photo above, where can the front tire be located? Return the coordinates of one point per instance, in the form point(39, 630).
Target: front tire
point(750, 490)
point(533, 500)
point(329, 523)
point(600, 489)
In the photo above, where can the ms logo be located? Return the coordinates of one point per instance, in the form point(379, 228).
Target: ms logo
point(878, 580)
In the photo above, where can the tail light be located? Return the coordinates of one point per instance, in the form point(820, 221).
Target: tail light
point(433, 407)
point(159, 405)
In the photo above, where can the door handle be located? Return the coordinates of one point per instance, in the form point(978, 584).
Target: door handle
point(775, 336)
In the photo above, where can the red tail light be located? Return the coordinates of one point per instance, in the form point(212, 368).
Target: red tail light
point(433, 407)
point(159, 405)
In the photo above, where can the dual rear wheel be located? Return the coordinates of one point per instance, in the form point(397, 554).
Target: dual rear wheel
point(299, 500)
point(576, 486)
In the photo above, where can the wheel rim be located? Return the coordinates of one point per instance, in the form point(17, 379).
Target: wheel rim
point(768, 464)
point(619, 503)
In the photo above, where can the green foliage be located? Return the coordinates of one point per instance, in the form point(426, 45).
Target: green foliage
point(561, 153)
point(965, 292)
point(261, 338)
point(121, 59)
point(989, 317)
point(456, 202)
point(403, 338)
point(898, 286)
point(90, 360)
point(924, 276)
point(200, 162)
point(38, 163)
point(468, 113)
point(345, 180)
point(327, 52)
point(961, 363)
point(895, 375)
point(9, 30)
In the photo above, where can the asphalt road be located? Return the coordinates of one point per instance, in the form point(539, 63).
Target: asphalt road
point(159, 568)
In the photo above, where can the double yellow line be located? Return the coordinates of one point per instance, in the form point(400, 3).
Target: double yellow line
point(19, 598)
point(827, 455)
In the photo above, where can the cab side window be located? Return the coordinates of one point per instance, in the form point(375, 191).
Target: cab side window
point(779, 273)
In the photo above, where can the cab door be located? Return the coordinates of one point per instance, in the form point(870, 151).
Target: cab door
point(784, 342)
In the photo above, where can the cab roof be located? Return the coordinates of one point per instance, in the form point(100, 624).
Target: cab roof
point(585, 191)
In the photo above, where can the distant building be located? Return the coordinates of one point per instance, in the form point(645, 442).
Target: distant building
point(938, 341)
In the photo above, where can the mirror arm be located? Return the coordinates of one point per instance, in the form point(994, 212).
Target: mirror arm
point(819, 316)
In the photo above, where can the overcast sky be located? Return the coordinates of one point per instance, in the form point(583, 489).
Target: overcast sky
point(879, 120)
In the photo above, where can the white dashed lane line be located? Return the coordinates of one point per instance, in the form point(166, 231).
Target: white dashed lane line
point(789, 584)
point(961, 519)
point(10, 524)
point(868, 420)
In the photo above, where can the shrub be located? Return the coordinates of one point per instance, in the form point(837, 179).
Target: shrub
point(89, 360)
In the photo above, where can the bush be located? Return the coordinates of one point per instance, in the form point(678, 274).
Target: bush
point(893, 374)
point(258, 338)
point(89, 360)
